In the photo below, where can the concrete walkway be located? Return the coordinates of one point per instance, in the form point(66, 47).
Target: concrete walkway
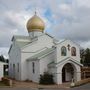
point(83, 87)
point(35, 85)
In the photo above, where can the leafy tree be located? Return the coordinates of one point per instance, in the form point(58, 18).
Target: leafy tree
point(82, 55)
point(7, 61)
point(85, 57)
point(2, 58)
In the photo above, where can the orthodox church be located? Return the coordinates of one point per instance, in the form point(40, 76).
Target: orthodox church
point(31, 56)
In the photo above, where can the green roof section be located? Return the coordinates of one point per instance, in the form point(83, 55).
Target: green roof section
point(22, 41)
point(42, 53)
point(22, 44)
point(26, 40)
point(51, 63)
point(21, 37)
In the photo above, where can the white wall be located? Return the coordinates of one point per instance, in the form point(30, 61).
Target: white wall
point(35, 47)
point(40, 67)
point(33, 76)
point(45, 61)
point(14, 58)
point(20, 56)
point(1, 70)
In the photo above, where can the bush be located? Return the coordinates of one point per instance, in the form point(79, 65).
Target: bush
point(46, 79)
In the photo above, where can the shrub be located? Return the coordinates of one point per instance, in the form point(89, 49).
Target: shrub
point(46, 79)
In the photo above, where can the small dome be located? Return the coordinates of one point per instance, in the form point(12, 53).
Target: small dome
point(35, 24)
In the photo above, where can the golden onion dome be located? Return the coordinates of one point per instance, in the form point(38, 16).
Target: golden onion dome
point(35, 24)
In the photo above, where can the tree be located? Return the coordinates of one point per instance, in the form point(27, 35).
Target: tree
point(85, 57)
point(2, 58)
point(82, 55)
point(7, 61)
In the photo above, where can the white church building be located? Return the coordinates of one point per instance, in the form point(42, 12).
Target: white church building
point(31, 56)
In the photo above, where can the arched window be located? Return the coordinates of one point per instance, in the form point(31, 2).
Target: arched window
point(17, 67)
point(63, 51)
point(33, 67)
point(73, 51)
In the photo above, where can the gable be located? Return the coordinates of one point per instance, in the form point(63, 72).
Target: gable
point(69, 59)
point(71, 49)
point(38, 43)
point(53, 64)
point(66, 42)
point(19, 41)
point(25, 42)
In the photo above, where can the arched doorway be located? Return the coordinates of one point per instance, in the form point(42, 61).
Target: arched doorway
point(67, 72)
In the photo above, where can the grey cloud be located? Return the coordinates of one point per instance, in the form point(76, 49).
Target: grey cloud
point(76, 28)
point(73, 24)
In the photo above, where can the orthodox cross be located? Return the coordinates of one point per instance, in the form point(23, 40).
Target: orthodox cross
point(35, 13)
point(68, 47)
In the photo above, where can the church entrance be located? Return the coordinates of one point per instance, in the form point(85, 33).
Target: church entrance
point(67, 73)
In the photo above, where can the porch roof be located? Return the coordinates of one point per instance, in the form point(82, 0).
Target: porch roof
point(42, 54)
point(64, 60)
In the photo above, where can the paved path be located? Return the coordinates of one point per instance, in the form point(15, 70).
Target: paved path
point(35, 85)
point(83, 87)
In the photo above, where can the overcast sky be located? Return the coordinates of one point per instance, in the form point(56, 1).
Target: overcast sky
point(63, 18)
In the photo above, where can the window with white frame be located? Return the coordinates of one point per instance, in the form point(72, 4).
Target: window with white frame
point(33, 67)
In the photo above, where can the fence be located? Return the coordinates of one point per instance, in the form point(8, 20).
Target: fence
point(85, 72)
